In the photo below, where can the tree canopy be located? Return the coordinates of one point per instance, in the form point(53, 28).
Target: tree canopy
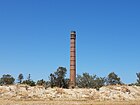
point(20, 78)
point(7, 79)
point(58, 78)
point(89, 81)
point(113, 79)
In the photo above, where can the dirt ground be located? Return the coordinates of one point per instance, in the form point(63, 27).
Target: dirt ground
point(90, 102)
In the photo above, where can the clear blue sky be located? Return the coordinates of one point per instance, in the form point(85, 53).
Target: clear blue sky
point(35, 35)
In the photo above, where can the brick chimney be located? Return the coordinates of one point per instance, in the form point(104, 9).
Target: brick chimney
point(72, 59)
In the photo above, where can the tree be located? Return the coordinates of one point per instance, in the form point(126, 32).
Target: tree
point(29, 77)
point(66, 83)
point(1, 82)
point(41, 82)
point(29, 81)
point(52, 80)
point(20, 78)
point(99, 82)
point(89, 81)
point(60, 75)
point(85, 80)
point(138, 80)
point(58, 78)
point(113, 79)
point(7, 80)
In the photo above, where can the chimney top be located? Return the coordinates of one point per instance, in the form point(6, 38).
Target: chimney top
point(73, 32)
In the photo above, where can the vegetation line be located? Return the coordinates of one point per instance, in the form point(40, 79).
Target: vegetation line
point(58, 79)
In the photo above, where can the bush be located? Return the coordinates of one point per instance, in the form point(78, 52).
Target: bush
point(85, 80)
point(29, 82)
point(20, 78)
point(113, 79)
point(7, 80)
point(58, 78)
point(138, 76)
point(41, 82)
point(89, 81)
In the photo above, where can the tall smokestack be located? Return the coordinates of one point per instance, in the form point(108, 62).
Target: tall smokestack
point(72, 59)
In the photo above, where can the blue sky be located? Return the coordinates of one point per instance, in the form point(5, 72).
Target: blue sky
point(35, 35)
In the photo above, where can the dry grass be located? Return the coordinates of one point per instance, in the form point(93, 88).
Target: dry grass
point(7, 102)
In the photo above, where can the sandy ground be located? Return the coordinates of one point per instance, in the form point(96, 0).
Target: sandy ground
point(90, 102)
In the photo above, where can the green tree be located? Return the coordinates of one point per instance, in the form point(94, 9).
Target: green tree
point(85, 80)
point(89, 81)
point(29, 81)
point(99, 82)
point(52, 80)
point(58, 78)
point(113, 79)
point(1, 82)
point(7, 80)
point(60, 75)
point(29, 77)
point(138, 80)
point(66, 83)
point(20, 78)
point(41, 82)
